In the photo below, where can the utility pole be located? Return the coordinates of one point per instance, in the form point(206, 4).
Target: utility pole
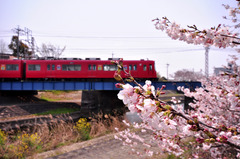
point(167, 70)
point(112, 55)
point(18, 31)
point(206, 61)
point(32, 44)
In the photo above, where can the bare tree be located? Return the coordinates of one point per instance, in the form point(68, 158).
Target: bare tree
point(3, 47)
point(187, 75)
point(49, 50)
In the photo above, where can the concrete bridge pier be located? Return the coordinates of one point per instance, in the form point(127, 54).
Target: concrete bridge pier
point(105, 101)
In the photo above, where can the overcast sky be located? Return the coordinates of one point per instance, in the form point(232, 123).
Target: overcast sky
point(118, 28)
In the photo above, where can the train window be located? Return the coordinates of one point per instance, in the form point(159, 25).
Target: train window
point(71, 67)
point(112, 67)
point(94, 67)
point(130, 67)
point(64, 67)
point(34, 67)
point(77, 67)
point(48, 67)
point(37, 67)
point(144, 68)
point(53, 67)
point(109, 67)
point(106, 67)
point(135, 67)
point(150, 67)
point(10, 67)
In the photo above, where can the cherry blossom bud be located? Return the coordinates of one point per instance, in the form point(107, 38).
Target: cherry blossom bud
point(118, 77)
point(118, 85)
point(163, 87)
point(137, 90)
point(222, 138)
point(193, 128)
point(222, 128)
point(200, 140)
point(212, 140)
point(157, 103)
point(190, 122)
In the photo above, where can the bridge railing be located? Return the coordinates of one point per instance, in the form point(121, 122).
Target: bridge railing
point(75, 85)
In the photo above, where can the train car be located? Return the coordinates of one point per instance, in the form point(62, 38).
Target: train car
point(85, 69)
point(141, 70)
point(11, 70)
point(89, 69)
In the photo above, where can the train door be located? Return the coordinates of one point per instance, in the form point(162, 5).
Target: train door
point(51, 70)
point(24, 71)
point(92, 70)
point(150, 70)
point(135, 69)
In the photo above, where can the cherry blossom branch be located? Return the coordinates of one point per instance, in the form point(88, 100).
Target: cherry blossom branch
point(230, 36)
point(214, 120)
point(195, 36)
point(172, 113)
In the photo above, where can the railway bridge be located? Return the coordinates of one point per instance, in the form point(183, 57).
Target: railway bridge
point(96, 96)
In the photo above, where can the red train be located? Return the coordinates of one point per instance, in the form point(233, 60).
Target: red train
point(74, 69)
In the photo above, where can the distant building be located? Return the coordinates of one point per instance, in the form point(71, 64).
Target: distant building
point(6, 56)
point(218, 70)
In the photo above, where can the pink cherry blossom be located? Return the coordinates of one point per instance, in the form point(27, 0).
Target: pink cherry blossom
point(214, 117)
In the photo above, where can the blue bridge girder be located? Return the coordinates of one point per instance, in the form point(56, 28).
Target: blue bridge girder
point(77, 85)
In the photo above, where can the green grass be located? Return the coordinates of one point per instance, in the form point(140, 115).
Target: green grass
point(49, 99)
point(59, 111)
point(57, 92)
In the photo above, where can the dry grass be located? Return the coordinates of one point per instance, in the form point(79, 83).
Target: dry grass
point(44, 137)
point(102, 124)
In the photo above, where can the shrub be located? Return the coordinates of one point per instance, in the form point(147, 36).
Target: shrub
point(83, 128)
point(3, 137)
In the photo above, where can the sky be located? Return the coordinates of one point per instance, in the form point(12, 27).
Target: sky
point(118, 28)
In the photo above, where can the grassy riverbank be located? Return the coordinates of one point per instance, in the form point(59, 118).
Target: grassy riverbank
point(29, 141)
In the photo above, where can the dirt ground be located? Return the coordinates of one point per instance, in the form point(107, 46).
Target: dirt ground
point(71, 96)
point(13, 107)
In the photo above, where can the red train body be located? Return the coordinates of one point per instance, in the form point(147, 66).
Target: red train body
point(11, 69)
point(72, 69)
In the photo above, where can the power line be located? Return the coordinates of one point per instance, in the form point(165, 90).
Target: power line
point(99, 37)
point(157, 50)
